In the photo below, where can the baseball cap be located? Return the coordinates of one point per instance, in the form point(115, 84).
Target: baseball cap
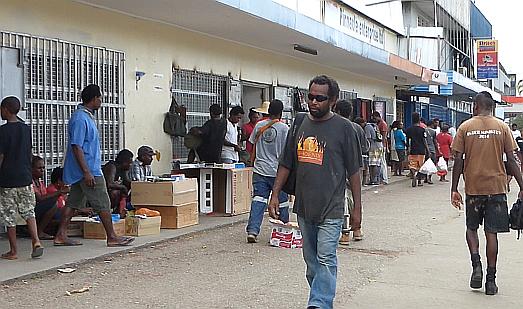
point(145, 150)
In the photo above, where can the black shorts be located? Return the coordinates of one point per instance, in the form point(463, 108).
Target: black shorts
point(490, 209)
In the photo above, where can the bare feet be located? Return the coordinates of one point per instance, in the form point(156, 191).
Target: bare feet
point(45, 236)
point(66, 242)
point(9, 256)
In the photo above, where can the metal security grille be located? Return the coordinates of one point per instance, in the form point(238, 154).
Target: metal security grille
point(56, 71)
point(197, 91)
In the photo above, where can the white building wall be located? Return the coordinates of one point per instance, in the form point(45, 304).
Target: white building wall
point(155, 48)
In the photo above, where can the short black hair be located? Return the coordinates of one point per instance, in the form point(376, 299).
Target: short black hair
point(12, 104)
point(57, 174)
point(334, 89)
point(376, 114)
point(359, 120)
point(276, 107)
point(237, 110)
point(90, 92)
point(430, 123)
point(515, 125)
point(435, 119)
point(252, 112)
point(215, 109)
point(445, 128)
point(415, 117)
point(35, 160)
point(484, 98)
point(124, 155)
point(344, 108)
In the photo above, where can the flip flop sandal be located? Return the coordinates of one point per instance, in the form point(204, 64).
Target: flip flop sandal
point(8, 257)
point(125, 242)
point(38, 251)
point(358, 238)
point(67, 244)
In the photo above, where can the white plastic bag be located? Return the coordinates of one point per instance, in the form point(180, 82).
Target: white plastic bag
point(442, 165)
point(428, 168)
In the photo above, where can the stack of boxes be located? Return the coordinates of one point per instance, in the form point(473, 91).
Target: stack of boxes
point(177, 201)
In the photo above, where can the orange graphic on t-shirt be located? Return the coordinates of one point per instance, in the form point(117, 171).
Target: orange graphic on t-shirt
point(310, 150)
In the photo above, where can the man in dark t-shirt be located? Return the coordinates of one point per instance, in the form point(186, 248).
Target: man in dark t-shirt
point(418, 148)
point(213, 134)
point(16, 192)
point(323, 152)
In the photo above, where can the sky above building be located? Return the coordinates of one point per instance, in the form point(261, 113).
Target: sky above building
point(505, 15)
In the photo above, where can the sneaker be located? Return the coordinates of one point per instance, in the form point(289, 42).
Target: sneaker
point(344, 239)
point(252, 239)
point(490, 287)
point(476, 279)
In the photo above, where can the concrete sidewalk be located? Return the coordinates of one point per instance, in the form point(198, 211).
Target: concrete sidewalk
point(57, 257)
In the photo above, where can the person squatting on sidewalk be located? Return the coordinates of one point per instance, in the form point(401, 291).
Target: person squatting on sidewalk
point(268, 140)
point(16, 191)
point(477, 149)
point(324, 154)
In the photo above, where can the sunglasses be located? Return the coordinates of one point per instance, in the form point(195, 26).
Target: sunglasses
point(318, 98)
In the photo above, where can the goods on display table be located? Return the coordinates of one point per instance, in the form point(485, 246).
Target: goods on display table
point(285, 235)
point(177, 201)
point(224, 189)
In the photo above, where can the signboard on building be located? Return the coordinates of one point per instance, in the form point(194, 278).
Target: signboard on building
point(487, 59)
point(354, 24)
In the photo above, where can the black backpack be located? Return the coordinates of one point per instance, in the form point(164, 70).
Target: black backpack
point(516, 217)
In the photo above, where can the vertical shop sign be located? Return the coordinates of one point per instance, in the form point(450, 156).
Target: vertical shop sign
point(487, 59)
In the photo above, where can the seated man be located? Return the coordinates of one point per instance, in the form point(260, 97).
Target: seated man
point(116, 175)
point(46, 202)
point(141, 167)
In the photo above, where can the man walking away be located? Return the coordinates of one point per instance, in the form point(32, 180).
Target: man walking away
point(16, 193)
point(344, 109)
point(231, 147)
point(418, 148)
point(325, 142)
point(83, 171)
point(268, 139)
point(365, 170)
point(478, 153)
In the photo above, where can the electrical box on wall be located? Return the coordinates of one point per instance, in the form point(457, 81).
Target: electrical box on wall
point(12, 75)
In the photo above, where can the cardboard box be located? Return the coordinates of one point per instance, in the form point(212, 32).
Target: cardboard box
point(232, 191)
point(135, 226)
point(285, 235)
point(177, 217)
point(168, 193)
point(95, 230)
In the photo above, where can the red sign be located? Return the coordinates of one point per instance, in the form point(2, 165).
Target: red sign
point(487, 59)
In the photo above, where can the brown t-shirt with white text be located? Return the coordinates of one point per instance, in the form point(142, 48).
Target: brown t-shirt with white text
point(484, 140)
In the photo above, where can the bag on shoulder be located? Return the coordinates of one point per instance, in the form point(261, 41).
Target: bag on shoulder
point(378, 136)
point(174, 122)
point(516, 217)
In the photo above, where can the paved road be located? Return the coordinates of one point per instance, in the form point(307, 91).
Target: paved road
point(413, 256)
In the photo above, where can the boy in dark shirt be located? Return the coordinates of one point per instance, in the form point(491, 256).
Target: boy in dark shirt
point(16, 192)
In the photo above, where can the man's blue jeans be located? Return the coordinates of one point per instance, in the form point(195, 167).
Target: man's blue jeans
point(320, 242)
point(262, 189)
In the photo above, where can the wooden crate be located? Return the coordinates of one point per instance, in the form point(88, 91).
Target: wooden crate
point(95, 230)
point(142, 227)
point(178, 216)
point(169, 193)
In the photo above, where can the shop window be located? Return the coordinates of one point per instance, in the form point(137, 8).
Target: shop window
point(197, 91)
point(55, 72)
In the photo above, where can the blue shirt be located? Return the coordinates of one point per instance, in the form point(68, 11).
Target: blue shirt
point(83, 133)
point(400, 139)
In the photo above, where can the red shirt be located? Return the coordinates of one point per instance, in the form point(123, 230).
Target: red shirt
point(247, 131)
point(60, 202)
point(444, 141)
